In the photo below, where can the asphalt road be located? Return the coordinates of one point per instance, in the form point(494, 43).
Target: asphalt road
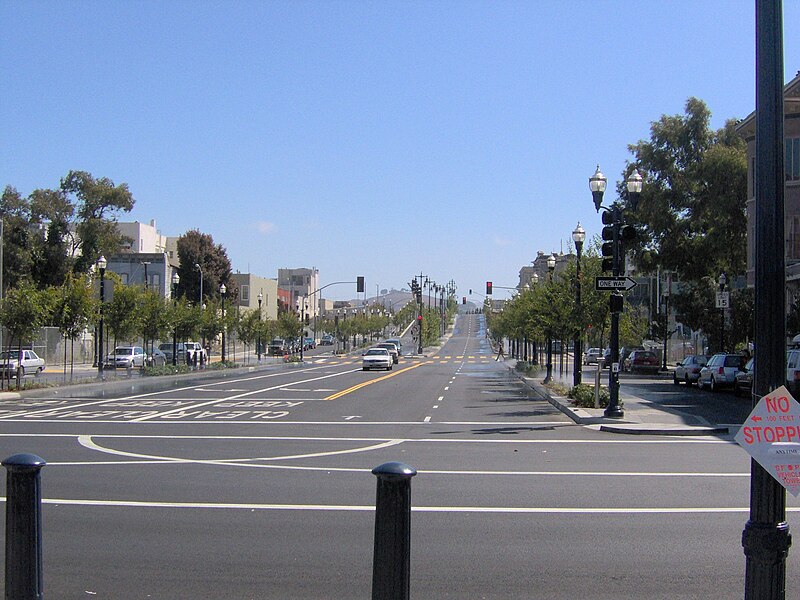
point(258, 485)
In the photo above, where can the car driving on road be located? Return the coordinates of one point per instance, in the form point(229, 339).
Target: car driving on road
point(376, 358)
point(393, 351)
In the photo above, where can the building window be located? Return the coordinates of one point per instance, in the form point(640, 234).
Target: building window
point(245, 293)
point(792, 163)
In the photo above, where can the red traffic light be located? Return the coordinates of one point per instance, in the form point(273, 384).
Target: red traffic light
point(488, 288)
point(419, 318)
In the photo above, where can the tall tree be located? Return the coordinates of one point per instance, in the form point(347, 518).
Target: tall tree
point(52, 211)
point(17, 254)
point(97, 203)
point(691, 217)
point(195, 248)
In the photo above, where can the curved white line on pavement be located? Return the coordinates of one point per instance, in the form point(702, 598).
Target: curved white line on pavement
point(87, 442)
point(546, 510)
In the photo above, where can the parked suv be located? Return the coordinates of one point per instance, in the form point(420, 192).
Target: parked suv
point(720, 371)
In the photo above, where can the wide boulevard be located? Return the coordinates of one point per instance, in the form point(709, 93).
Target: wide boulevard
point(259, 485)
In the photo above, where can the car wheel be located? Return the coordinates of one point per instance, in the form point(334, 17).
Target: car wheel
point(688, 381)
point(736, 391)
point(712, 385)
point(675, 379)
point(22, 370)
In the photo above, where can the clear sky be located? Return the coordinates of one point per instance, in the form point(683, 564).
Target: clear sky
point(380, 139)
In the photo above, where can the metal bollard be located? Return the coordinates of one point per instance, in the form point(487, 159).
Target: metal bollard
point(24, 577)
point(391, 566)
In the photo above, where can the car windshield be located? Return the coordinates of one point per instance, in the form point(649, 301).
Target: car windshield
point(165, 347)
point(123, 351)
point(377, 352)
point(13, 355)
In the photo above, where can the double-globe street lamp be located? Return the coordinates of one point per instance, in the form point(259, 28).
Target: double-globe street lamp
point(551, 266)
point(258, 343)
point(722, 281)
point(613, 216)
point(578, 236)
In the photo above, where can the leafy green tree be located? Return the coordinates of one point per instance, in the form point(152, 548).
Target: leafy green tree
point(195, 248)
point(248, 327)
point(73, 308)
point(693, 203)
point(23, 311)
point(52, 211)
point(17, 251)
point(97, 203)
point(153, 317)
point(121, 315)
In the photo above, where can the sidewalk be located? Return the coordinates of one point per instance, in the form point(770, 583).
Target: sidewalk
point(642, 417)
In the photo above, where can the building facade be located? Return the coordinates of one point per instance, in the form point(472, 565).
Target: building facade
point(303, 288)
point(250, 286)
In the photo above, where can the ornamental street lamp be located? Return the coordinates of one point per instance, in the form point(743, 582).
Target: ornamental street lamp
point(197, 266)
point(615, 234)
point(551, 266)
point(102, 263)
point(258, 343)
point(578, 236)
point(222, 290)
point(175, 281)
point(722, 280)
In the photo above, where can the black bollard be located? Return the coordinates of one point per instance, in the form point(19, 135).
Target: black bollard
point(24, 577)
point(391, 566)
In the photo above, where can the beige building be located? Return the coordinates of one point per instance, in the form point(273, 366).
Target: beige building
point(791, 132)
point(303, 288)
point(250, 286)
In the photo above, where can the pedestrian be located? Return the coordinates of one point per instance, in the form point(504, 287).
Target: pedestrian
point(500, 352)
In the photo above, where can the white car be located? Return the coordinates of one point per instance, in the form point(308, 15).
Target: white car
point(31, 362)
point(126, 357)
point(377, 358)
point(592, 356)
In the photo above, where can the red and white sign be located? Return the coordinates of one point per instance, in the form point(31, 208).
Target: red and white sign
point(771, 435)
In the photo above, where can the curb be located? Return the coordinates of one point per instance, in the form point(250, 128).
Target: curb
point(581, 417)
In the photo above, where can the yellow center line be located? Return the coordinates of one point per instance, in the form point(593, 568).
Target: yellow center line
point(371, 381)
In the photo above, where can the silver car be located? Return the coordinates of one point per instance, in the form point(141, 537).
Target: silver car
point(126, 357)
point(688, 370)
point(377, 358)
point(720, 371)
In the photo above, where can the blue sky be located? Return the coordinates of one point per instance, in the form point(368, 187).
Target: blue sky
point(380, 139)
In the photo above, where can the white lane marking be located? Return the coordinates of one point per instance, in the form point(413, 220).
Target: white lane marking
point(87, 442)
point(610, 441)
point(545, 510)
point(435, 406)
point(446, 388)
point(160, 392)
point(235, 397)
point(440, 398)
point(427, 420)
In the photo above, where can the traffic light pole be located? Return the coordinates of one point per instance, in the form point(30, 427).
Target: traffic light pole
point(614, 409)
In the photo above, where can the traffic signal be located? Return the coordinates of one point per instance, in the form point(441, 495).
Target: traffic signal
point(615, 302)
point(419, 319)
point(359, 284)
point(609, 239)
point(488, 288)
point(463, 300)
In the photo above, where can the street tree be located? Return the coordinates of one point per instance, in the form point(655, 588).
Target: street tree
point(121, 315)
point(153, 319)
point(17, 251)
point(97, 204)
point(52, 212)
point(23, 311)
point(73, 308)
point(198, 249)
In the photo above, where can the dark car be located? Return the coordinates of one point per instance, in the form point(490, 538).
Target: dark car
point(641, 361)
point(743, 380)
point(157, 358)
point(326, 340)
point(688, 370)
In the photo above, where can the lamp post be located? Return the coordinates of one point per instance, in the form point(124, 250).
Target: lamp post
point(619, 232)
point(551, 266)
point(197, 266)
point(222, 290)
point(258, 343)
point(578, 236)
point(722, 281)
point(102, 263)
point(175, 281)
point(665, 300)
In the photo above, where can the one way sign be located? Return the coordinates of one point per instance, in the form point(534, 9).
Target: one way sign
point(614, 283)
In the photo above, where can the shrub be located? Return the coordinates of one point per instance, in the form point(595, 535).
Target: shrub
point(165, 370)
point(583, 395)
point(526, 367)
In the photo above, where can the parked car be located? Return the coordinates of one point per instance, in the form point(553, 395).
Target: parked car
point(376, 358)
point(720, 371)
point(606, 362)
point(793, 371)
point(278, 347)
point(126, 357)
point(641, 361)
point(592, 356)
point(309, 343)
point(743, 381)
point(392, 350)
point(398, 343)
point(157, 358)
point(326, 340)
point(688, 370)
point(31, 362)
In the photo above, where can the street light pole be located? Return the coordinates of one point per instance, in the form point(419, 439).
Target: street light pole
point(551, 266)
point(197, 266)
point(722, 280)
point(597, 185)
point(175, 281)
point(258, 343)
point(101, 358)
point(578, 236)
point(222, 290)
